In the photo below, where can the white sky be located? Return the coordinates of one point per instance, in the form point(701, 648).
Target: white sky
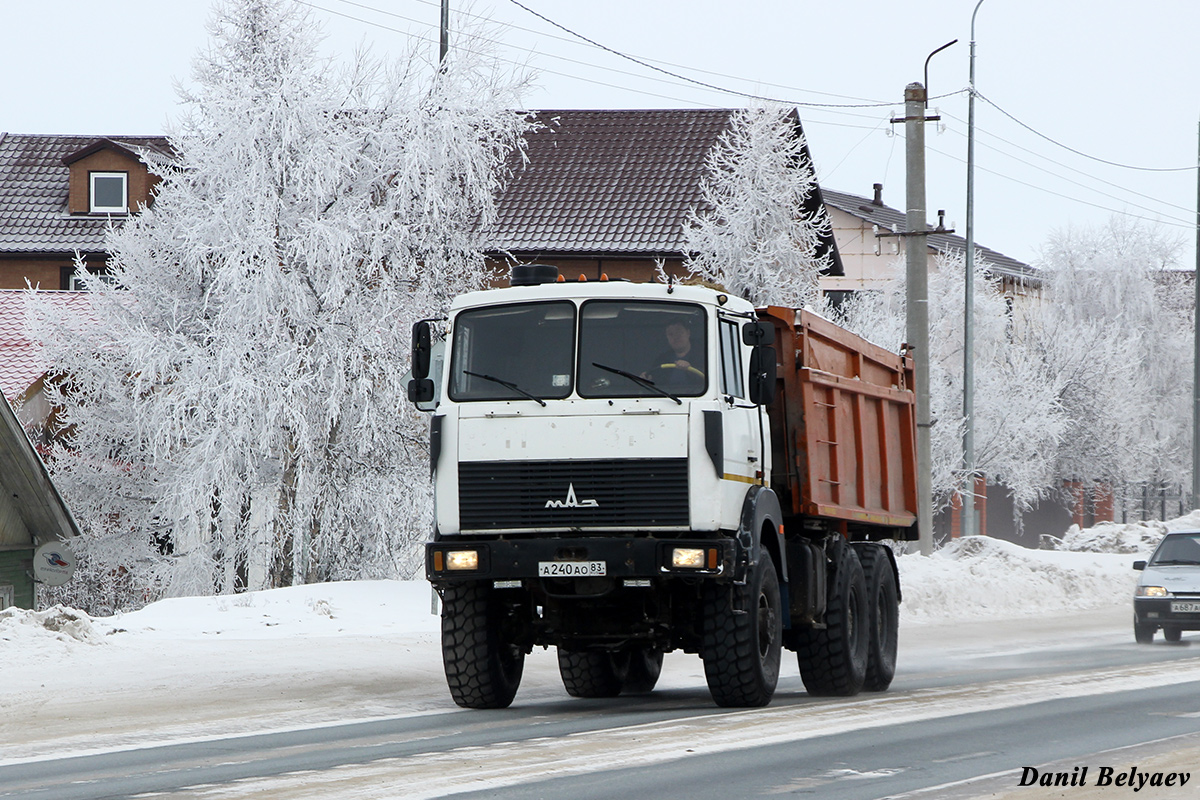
point(1112, 79)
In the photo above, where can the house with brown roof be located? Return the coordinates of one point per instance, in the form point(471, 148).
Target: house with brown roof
point(60, 194)
point(609, 191)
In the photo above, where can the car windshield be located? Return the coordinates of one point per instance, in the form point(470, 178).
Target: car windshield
point(522, 352)
point(1177, 548)
point(630, 348)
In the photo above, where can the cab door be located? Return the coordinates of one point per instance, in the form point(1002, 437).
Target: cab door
point(742, 449)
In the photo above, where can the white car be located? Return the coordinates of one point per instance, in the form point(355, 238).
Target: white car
point(1168, 591)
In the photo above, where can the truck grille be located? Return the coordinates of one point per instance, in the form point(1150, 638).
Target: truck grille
point(495, 495)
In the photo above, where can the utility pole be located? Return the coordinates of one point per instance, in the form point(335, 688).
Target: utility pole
point(917, 300)
point(968, 443)
point(1196, 351)
point(445, 38)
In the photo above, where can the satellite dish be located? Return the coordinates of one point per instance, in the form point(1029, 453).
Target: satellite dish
point(53, 563)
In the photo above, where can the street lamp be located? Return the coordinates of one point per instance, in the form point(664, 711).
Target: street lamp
point(968, 517)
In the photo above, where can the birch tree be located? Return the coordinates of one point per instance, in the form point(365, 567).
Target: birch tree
point(235, 415)
point(754, 235)
point(1018, 419)
point(1115, 335)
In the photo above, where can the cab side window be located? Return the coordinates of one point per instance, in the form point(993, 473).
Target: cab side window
point(731, 360)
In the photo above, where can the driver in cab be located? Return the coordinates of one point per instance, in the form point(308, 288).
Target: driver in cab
point(677, 369)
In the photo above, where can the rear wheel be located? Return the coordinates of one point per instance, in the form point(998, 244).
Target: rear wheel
point(645, 665)
point(483, 666)
point(883, 616)
point(743, 637)
point(833, 660)
point(592, 673)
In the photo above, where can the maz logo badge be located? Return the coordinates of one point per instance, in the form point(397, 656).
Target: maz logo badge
point(572, 501)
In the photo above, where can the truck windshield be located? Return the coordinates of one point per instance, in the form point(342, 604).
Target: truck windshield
point(663, 344)
point(521, 352)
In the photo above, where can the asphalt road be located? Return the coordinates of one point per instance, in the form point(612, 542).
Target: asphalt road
point(967, 712)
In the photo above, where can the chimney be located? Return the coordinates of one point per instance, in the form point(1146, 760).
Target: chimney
point(878, 201)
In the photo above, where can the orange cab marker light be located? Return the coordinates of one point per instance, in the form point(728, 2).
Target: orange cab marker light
point(582, 278)
point(603, 276)
point(561, 279)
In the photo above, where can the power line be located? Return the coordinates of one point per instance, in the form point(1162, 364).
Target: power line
point(693, 81)
point(1165, 220)
point(1067, 167)
point(576, 41)
point(829, 108)
point(1078, 152)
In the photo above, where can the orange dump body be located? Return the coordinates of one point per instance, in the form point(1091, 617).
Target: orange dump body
point(843, 425)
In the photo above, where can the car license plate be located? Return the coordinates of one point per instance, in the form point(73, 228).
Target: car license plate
point(572, 569)
point(1182, 607)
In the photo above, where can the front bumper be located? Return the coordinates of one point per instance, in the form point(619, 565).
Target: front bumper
point(1159, 611)
point(624, 557)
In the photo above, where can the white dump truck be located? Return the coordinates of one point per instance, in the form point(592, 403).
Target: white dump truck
point(622, 470)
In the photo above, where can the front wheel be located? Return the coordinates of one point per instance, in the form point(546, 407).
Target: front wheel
point(743, 637)
point(1143, 633)
point(483, 667)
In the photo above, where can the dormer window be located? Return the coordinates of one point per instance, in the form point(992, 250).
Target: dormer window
point(109, 192)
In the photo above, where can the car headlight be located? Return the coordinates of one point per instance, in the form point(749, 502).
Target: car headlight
point(1152, 591)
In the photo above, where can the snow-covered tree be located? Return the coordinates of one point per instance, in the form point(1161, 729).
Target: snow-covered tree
point(755, 236)
point(235, 414)
point(1115, 334)
point(1018, 421)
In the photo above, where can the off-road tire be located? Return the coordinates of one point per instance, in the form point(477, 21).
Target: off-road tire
point(883, 615)
point(645, 665)
point(592, 673)
point(743, 636)
point(833, 661)
point(483, 670)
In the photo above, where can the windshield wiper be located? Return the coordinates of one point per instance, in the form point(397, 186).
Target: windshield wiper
point(649, 384)
point(1176, 561)
point(505, 384)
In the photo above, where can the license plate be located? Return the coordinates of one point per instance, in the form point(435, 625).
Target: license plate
point(1179, 607)
point(572, 569)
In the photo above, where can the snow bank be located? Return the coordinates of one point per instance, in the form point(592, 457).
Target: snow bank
point(358, 608)
point(1117, 537)
point(982, 577)
point(58, 623)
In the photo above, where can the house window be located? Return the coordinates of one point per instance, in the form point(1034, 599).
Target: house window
point(109, 192)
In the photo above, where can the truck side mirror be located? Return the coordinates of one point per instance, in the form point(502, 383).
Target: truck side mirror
point(421, 390)
point(756, 333)
point(1139, 565)
point(421, 347)
point(762, 375)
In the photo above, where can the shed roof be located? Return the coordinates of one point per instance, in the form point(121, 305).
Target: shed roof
point(888, 218)
point(21, 361)
point(34, 185)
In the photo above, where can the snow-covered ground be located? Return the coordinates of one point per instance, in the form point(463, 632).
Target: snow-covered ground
point(205, 666)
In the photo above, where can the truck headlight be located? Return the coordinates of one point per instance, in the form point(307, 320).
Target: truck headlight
point(688, 558)
point(1152, 591)
point(462, 560)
